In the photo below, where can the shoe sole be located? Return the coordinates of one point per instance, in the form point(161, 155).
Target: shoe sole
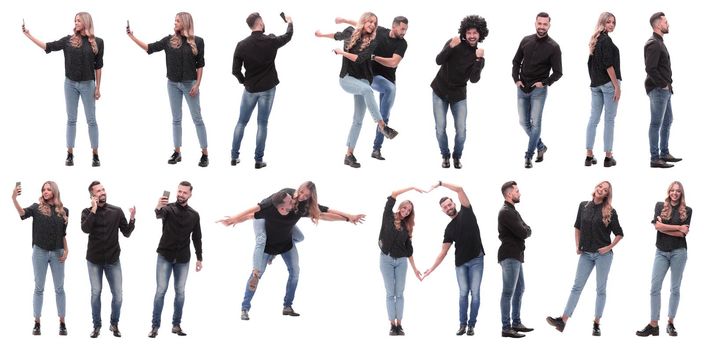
point(174, 161)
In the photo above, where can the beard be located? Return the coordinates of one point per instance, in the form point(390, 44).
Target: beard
point(181, 200)
point(102, 199)
point(541, 32)
point(452, 212)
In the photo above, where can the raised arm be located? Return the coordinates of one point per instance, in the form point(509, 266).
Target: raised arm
point(18, 207)
point(241, 217)
point(139, 43)
point(36, 41)
point(340, 20)
point(461, 195)
point(324, 35)
point(397, 193)
point(336, 215)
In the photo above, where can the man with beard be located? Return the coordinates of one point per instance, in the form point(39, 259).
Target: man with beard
point(101, 222)
point(180, 223)
point(537, 54)
point(512, 233)
point(389, 51)
point(463, 230)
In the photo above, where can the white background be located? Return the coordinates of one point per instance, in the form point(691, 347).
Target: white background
point(341, 294)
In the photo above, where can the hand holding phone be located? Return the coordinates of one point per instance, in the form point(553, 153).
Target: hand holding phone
point(24, 30)
point(128, 30)
point(18, 187)
point(166, 194)
point(283, 16)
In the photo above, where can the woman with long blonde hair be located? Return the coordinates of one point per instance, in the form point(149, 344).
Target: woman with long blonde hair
point(356, 78)
point(49, 247)
point(83, 63)
point(671, 221)
point(184, 70)
point(596, 220)
point(605, 74)
point(396, 252)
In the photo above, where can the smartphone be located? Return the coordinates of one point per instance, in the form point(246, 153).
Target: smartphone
point(128, 24)
point(166, 194)
point(23, 22)
point(18, 184)
point(283, 16)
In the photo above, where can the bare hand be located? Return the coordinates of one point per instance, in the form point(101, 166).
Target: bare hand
point(604, 250)
point(357, 219)
point(455, 41)
point(25, 30)
point(427, 273)
point(128, 31)
point(63, 257)
point(17, 191)
point(318, 33)
point(339, 20)
point(538, 84)
point(163, 201)
point(94, 202)
point(520, 84)
point(338, 51)
point(194, 90)
point(227, 221)
point(199, 265)
point(419, 275)
point(480, 53)
point(617, 93)
point(579, 251)
point(684, 229)
point(288, 19)
point(133, 210)
point(97, 93)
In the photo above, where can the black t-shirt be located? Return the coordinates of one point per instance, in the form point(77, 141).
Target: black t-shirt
point(48, 231)
point(593, 233)
point(665, 242)
point(387, 46)
point(464, 231)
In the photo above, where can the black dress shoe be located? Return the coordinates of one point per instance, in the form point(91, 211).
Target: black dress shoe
point(352, 161)
point(399, 330)
point(596, 331)
point(462, 330)
point(609, 162)
point(671, 329)
point(456, 162)
point(376, 153)
point(521, 328)
point(96, 160)
point(659, 163)
point(511, 333)
point(556, 322)
point(115, 331)
point(203, 161)
point(541, 153)
point(175, 158)
point(388, 132)
point(393, 330)
point(153, 333)
point(259, 164)
point(528, 163)
point(445, 162)
point(670, 158)
point(37, 330)
point(288, 311)
point(176, 329)
point(95, 333)
point(589, 161)
point(62, 329)
point(235, 162)
point(470, 330)
point(69, 159)
point(649, 330)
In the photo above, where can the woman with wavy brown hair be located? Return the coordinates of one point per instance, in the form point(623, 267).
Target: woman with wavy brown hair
point(356, 78)
point(83, 63)
point(49, 247)
point(671, 221)
point(184, 70)
point(596, 220)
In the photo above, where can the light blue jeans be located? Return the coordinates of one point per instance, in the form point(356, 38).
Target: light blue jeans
point(530, 116)
point(512, 294)
point(393, 270)
point(587, 262)
point(675, 261)
point(260, 243)
point(660, 122)
point(113, 273)
point(459, 114)
point(291, 260)
point(265, 100)
point(363, 100)
point(469, 279)
point(602, 98)
point(387, 95)
point(164, 268)
point(177, 92)
point(41, 259)
point(85, 90)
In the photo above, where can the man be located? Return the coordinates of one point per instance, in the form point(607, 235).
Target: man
point(463, 230)
point(537, 54)
point(658, 86)
point(101, 222)
point(512, 233)
point(460, 61)
point(390, 48)
point(258, 53)
point(180, 223)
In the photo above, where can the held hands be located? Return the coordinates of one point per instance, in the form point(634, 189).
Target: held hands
point(419, 275)
point(455, 41)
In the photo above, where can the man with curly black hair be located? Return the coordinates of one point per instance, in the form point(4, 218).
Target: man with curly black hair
point(537, 54)
point(460, 60)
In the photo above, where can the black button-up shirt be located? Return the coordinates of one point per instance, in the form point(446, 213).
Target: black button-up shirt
point(392, 241)
point(458, 65)
point(181, 63)
point(594, 234)
point(48, 231)
point(657, 64)
point(80, 63)
point(534, 59)
point(665, 242)
point(258, 54)
point(605, 55)
point(179, 223)
point(101, 227)
point(361, 68)
point(512, 233)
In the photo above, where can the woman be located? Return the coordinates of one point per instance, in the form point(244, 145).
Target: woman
point(184, 70)
point(396, 251)
point(596, 220)
point(671, 221)
point(83, 63)
point(605, 74)
point(356, 78)
point(49, 247)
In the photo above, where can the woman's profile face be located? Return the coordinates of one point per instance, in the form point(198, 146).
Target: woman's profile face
point(370, 25)
point(178, 26)
point(78, 26)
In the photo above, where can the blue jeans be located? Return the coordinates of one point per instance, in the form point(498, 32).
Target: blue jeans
point(363, 99)
point(530, 116)
point(586, 264)
point(265, 100)
point(393, 270)
point(113, 273)
point(675, 261)
point(164, 268)
point(41, 259)
point(291, 259)
point(177, 92)
point(387, 95)
point(469, 279)
point(459, 113)
point(602, 98)
point(85, 90)
point(512, 294)
point(660, 122)
point(260, 243)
